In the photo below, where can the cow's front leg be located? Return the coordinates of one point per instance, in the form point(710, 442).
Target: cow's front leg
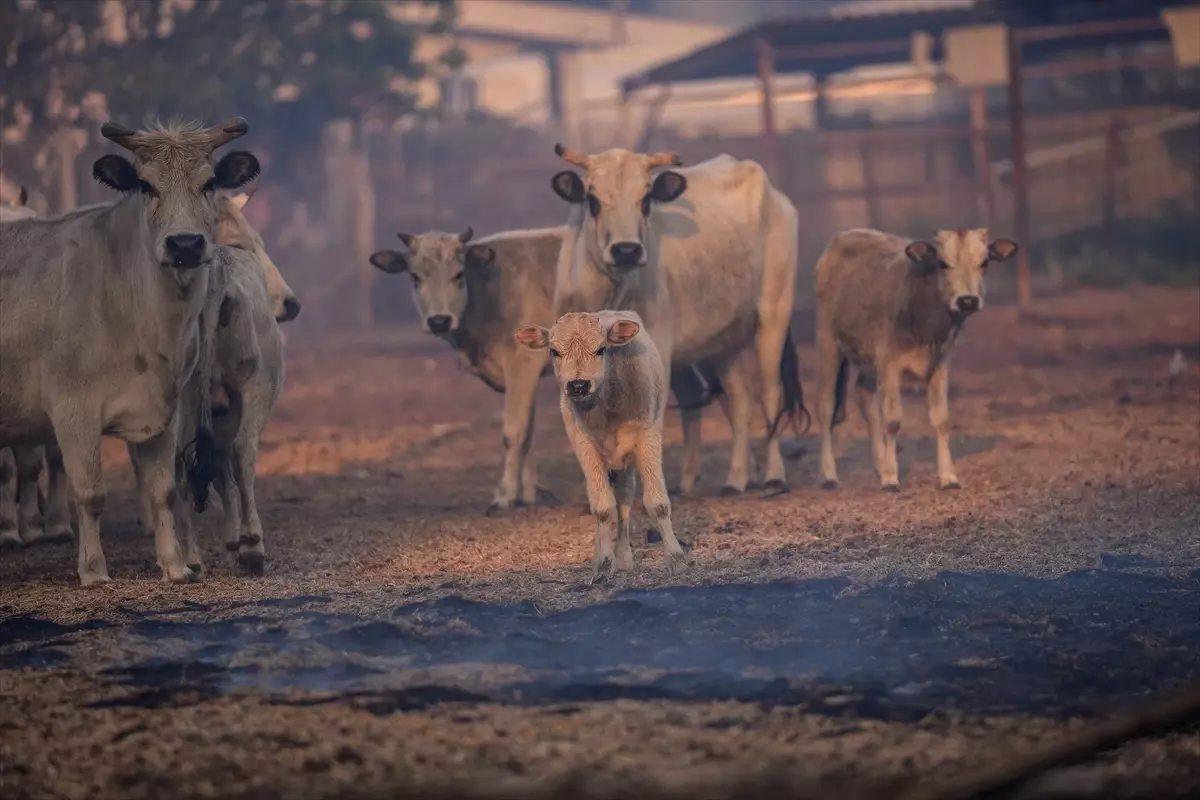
point(624, 487)
point(889, 388)
point(603, 503)
point(79, 439)
point(938, 397)
point(156, 457)
point(520, 386)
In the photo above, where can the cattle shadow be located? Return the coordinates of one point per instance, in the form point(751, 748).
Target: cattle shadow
point(985, 643)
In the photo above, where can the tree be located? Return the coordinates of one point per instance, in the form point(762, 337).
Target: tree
point(288, 67)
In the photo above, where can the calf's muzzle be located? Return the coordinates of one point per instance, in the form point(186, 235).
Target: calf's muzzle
point(626, 254)
point(579, 389)
point(967, 304)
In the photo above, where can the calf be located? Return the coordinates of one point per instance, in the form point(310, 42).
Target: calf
point(614, 395)
point(888, 305)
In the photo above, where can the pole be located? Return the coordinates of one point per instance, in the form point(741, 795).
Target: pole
point(1020, 175)
point(766, 82)
point(983, 157)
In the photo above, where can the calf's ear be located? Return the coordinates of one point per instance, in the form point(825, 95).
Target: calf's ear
point(1001, 250)
point(668, 186)
point(568, 186)
point(923, 253)
point(479, 256)
point(235, 170)
point(533, 337)
point(389, 261)
point(622, 332)
point(116, 173)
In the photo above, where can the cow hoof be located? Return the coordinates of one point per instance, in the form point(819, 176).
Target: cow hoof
point(601, 572)
point(948, 485)
point(777, 486)
point(184, 575)
point(232, 545)
point(518, 503)
point(653, 536)
point(730, 491)
point(493, 510)
point(891, 487)
point(676, 563)
point(94, 579)
point(545, 497)
point(197, 570)
point(10, 540)
point(829, 484)
point(678, 491)
point(252, 563)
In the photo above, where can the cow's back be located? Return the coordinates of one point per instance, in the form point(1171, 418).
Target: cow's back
point(710, 245)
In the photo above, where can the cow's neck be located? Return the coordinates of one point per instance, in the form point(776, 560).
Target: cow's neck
point(924, 318)
point(163, 309)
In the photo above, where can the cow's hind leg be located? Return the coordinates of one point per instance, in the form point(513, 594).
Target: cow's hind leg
point(157, 459)
point(738, 390)
point(623, 489)
point(889, 390)
point(866, 389)
point(520, 380)
point(231, 505)
point(830, 360)
point(58, 497)
point(10, 533)
point(29, 513)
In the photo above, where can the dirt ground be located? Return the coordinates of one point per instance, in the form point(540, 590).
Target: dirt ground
point(402, 639)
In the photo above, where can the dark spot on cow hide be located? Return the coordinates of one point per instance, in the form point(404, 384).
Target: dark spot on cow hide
point(139, 364)
point(604, 515)
point(93, 506)
point(661, 511)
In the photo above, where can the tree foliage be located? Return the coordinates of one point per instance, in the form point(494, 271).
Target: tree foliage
point(286, 66)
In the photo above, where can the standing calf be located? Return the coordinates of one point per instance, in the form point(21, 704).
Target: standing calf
point(890, 305)
point(614, 396)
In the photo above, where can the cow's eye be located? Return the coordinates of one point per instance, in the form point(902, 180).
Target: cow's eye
point(646, 206)
point(458, 279)
point(594, 205)
point(209, 186)
point(147, 188)
point(600, 352)
point(554, 353)
point(416, 281)
point(943, 265)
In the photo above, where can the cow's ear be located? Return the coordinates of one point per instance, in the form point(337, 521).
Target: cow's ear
point(568, 186)
point(533, 337)
point(389, 261)
point(668, 186)
point(923, 253)
point(235, 170)
point(622, 332)
point(479, 256)
point(1002, 250)
point(117, 173)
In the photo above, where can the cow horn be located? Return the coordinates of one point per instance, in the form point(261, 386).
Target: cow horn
point(466, 235)
point(227, 131)
point(572, 156)
point(663, 159)
point(119, 134)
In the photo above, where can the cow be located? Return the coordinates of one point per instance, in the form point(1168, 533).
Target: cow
point(887, 305)
point(613, 396)
point(21, 518)
point(707, 257)
point(247, 376)
point(473, 293)
point(233, 230)
point(99, 319)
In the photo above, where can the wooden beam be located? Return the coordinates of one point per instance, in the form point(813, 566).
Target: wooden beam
point(1020, 175)
point(982, 155)
point(766, 83)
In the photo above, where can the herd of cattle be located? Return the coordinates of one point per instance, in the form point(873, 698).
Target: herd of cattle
point(155, 319)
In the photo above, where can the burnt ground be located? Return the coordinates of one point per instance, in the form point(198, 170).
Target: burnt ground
point(400, 638)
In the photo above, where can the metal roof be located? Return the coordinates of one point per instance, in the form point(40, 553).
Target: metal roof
point(826, 45)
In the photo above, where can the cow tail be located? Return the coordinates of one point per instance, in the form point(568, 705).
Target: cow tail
point(839, 393)
point(793, 393)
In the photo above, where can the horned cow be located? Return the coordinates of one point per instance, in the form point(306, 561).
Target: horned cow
point(707, 257)
point(613, 398)
point(887, 305)
point(99, 319)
